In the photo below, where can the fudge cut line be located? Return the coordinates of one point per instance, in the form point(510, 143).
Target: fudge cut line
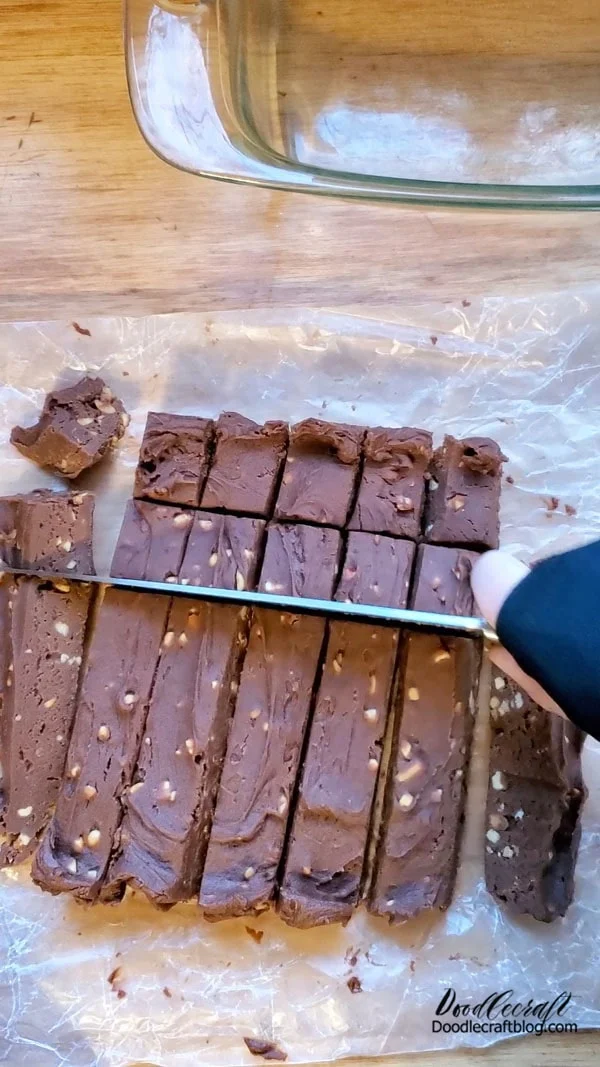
point(463, 496)
point(391, 491)
point(48, 531)
point(442, 580)
point(245, 468)
point(323, 871)
point(377, 570)
point(77, 427)
point(321, 473)
point(417, 850)
point(43, 630)
point(174, 458)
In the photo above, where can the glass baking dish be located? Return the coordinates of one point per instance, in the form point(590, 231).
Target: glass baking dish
point(493, 103)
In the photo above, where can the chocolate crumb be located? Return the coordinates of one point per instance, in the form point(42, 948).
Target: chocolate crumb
point(509, 479)
point(433, 339)
point(115, 975)
point(256, 935)
point(354, 984)
point(121, 993)
point(466, 303)
point(551, 502)
point(81, 329)
point(167, 992)
point(570, 510)
point(411, 966)
point(267, 1049)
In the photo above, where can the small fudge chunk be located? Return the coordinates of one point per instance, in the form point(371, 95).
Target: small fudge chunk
point(391, 494)
point(417, 851)
point(320, 473)
point(245, 469)
point(263, 755)
point(463, 498)
point(173, 458)
point(223, 552)
point(299, 558)
point(376, 571)
point(47, 530)
point(76, 428)
point(534, 805)
point(43, 630)
point(111, 713)
point(326, 853)
point(152, 542)
point(442, 581)
point(168, 808)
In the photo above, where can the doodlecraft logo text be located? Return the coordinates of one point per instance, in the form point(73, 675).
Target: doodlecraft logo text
point(502, 1013)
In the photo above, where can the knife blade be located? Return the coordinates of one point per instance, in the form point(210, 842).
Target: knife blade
point(330, 609)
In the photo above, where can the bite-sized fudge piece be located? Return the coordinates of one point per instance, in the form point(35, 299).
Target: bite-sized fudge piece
point(168, 808)
point(376, 570)
point(263, 756)
point(111, 713)
point(528, 741)
point(463, 497)
point(417, 850)
point(442, 581)
point(245, 469)
point(391, 494)
point(174, 458)
point(48, 531)
point(152, 542)
point(300, 557)
point(534, 805)
point(532, 838)
point(326, 852)
point(43, 629)
point(77, 426)
point(223, 552)
point(320, 472)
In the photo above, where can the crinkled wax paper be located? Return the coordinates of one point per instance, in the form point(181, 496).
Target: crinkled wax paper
point(526, 372)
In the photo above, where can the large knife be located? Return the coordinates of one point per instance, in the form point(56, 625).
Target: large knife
point(331, 609)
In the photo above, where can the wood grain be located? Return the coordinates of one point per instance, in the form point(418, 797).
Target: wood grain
point(91, 222)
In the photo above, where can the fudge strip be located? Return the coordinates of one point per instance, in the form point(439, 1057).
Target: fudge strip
point(391, 494)
point(111, 714)
point(417, 852)
point(245, 468)
point(463, 497)
point(321, 472)
point(43, 631)
point(174, 458)
point(77, 427)
point(168, 810)
point(269, 723)
point(51, 531)
point(223, 551)
point(376, 570)
point(534, 805)
point(300, 558)
point(152, 542)
point(328, 839)
point(442, 581)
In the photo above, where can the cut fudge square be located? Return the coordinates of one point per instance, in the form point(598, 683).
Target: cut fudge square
point(245, 469)
point(391, 494)
point(442, 581)
point(320, 474)
point(376, 570)
point(463, 498)
point(300, 558)
point(173, 458)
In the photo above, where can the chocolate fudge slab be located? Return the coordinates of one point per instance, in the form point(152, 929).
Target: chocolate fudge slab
point(417, 851)
point(299, 558)
point(173, 459)
point(262, 761)
point(51, 531)
point(326, 851)
point(442, 581)
point(245, 468)
point(463, 498)
point(152, 541)
point(77, 427)
point(391, 494)
point(534, 804)
point(108, 729)
point(168, 808)
point(320, 473)
point(376, 570)
point(43, 635)
point(223, 552)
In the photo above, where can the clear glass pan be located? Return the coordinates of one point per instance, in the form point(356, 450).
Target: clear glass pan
point(467, 102)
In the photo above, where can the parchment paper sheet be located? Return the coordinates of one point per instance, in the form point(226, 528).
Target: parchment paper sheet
point(525, 372)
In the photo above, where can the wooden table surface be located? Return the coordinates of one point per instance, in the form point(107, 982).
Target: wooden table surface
point(92, 222)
